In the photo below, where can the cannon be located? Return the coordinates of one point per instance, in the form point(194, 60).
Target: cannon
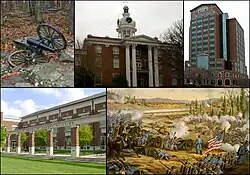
point(49, 39)
point(185, 144)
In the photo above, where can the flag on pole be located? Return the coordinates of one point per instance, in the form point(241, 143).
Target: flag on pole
point(215, 142)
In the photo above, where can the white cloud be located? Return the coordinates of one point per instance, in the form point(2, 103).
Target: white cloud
point(17, 102)
point(18, 108)
point(48, 91)
point(71, 94)
point(9, 111)
point(64, 95)
point(28, 106)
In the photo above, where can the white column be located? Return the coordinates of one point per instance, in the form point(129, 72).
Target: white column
point(128, 65)
point(150, 67)
point(156, 66)
point(134, 65)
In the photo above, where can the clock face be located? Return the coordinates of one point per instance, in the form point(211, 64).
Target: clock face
point(129, 20)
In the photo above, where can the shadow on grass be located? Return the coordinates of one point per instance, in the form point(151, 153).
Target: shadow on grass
point(82, 164)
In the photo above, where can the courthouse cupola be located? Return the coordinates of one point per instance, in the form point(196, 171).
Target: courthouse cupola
point(126, 25)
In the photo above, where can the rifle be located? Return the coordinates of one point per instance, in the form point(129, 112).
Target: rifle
point(165, 165)
point(199, 167)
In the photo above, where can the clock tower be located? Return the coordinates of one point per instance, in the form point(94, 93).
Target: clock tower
point(126, 25)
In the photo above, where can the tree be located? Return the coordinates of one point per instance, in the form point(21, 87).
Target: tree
point(172, 55)
point(242, 100)
point(71, 17)
point(210, 99)
point(79, 44)
point(238, 104)
point(41, 137)
point(231, 95)
point(24, 137)
point(224, 105)
point(190, 109)
point(85, 134)
point(3, 136)
point(196, 107)
point(84, 77)
point(200, 108)
point(38, 15)
point(120, 81)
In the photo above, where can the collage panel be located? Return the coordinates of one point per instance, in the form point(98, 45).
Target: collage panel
point(178, 131)
point(53, 131)
point(123, 45)
point(216, 44)
point(37, 43)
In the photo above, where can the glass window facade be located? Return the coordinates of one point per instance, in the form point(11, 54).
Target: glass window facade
point(202, 62)
point(224, 34)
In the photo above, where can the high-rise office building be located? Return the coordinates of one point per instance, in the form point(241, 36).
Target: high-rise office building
point(216, 49)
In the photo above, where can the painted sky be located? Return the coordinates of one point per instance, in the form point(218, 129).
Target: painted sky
point(175, 93)
point(18, 102)
point(236, 9)
point(99, 18)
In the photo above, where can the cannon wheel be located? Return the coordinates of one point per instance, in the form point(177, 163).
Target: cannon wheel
point(51, 37)
point(141, 150)
point(189, 145)
point(158, 142)
point(153, 153)
point(24, 58)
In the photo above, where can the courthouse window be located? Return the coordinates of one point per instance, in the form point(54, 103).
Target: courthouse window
point(98, 61)
point(116, 61)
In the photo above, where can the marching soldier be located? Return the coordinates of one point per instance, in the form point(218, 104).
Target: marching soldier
point(173, 170)
point(213, 159)
point(167, 141)
point(195, 169)
point(207, 158)
point(218, 169)
point(184, 168)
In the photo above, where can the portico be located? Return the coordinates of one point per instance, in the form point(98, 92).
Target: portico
point(74, 124)
point(152, 69)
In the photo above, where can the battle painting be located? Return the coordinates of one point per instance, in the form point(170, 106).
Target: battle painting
point(178, 131)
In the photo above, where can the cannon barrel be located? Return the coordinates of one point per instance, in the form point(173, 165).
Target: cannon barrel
point(39, 45)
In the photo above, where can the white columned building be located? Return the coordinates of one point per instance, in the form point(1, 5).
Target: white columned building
point(126, 28)
point(156, 67)
point(128, 65)
point(134, 65)
point(150, 66)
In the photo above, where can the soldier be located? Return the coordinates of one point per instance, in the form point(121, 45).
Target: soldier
point(167, 141)
point(195, 169)
point(218, 169)
point(174, 144)
point(184, 168)
point(241, 153)
point(220, 161)
point(198, 144)
point(116, 130)
point(207, 158)
point(213, 160)
point(173, 170)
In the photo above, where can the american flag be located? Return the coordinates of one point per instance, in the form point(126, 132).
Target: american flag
point(216, 142)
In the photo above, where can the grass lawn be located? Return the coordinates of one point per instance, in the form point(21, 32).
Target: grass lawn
point(21, 165)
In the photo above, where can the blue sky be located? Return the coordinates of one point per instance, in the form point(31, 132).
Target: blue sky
point(17, 102)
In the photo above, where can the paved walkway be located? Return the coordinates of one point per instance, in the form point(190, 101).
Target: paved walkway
point(93, 158)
